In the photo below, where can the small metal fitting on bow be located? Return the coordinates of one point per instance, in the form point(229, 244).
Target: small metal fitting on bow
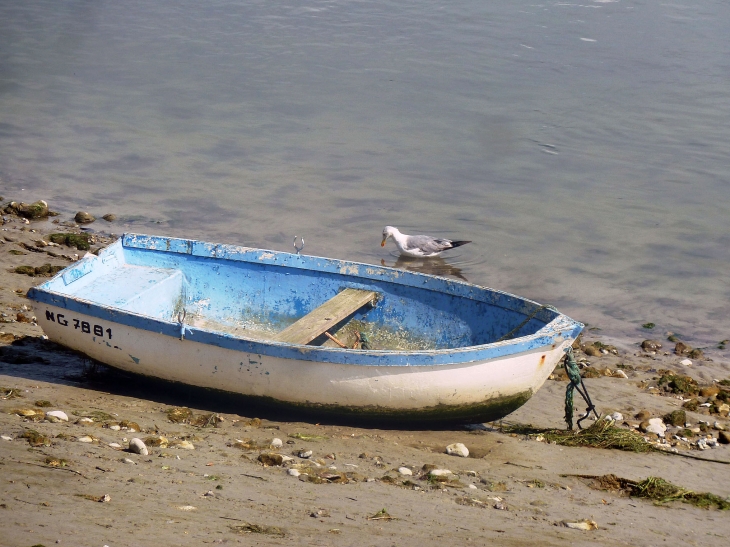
point(298, 249)
point(181, 321)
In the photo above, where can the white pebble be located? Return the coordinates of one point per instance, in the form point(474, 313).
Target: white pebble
point(115, 427)
point(439, 472)
point(293, 472)
point(115, 446)
point(186, 445)
point(138, 447)
point(685, 362)
point(405, 471)
point(85, 439)
point(457, 449)
point(6, 438)
point(127, 460)
point(617, 417)
point(305, 454)
point(277, 443)
point(472, 487)
point(84, 421)
point(60, 414)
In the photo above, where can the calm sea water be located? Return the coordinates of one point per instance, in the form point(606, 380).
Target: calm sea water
point(583, 147)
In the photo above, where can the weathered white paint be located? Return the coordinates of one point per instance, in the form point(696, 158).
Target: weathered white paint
point(402, 387)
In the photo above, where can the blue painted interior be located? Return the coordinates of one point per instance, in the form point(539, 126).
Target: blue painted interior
point(158, 277)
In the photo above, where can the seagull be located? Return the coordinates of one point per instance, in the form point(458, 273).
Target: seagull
point(419, 246)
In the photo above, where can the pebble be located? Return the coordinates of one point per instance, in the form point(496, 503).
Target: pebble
point(277, 443)
point(620, 374)
point(293, 472)
point(650, 345)
point(186, 445)
point(655, 426)
point(718, 426)
point(82, 217)
point(305, 454)
point(472, 487)
point(439, 472)
point(457, 449)
point(84, 421)
point(138, 447)
point(643, 415)
point(617, 417)
point(583, 525)
point(6, 438)
point(127, 460)
point(115, 446)
point(85, 439)
point(686, 362)
point(60, 414)
point(723, 437)
point(115, 427)
point(405, 471)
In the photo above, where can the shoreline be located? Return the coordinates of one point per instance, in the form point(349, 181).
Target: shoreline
point(220, 476)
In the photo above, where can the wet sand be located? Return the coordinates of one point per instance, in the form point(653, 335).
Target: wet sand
point(511, 490)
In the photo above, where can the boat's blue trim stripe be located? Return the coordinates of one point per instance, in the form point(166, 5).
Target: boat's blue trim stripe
point(568, 329)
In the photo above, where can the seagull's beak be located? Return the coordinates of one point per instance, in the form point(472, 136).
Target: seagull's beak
point(382, 243)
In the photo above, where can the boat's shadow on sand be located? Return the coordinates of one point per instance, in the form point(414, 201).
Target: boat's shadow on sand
point(40, 360)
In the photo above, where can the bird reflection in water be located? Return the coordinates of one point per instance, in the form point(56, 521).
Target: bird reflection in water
point(431, 266)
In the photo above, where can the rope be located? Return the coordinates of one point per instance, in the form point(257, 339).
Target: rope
point(576, 384)
point(529, 318)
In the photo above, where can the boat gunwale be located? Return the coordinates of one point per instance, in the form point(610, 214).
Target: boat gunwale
point(544, 337)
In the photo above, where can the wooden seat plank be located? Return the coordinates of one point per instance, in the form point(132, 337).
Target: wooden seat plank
point(326, 316)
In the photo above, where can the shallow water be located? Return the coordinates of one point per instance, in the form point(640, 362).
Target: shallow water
point(582, 147)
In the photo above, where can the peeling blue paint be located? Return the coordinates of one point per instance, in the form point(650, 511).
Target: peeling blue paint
point(146, 282)
point(135, 359)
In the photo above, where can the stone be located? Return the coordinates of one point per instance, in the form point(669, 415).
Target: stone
point(653, 425)
point(681, 348)
point(718, 426)
point(110, 217)
point(6, 438)
point(59, 415)
point(271, 460)
point(457, 449)
point(651, 345)
point(582, 525)
point(115, 446)
point(138, 447)
point(185, 445)
point(592, 351)
point(709, 391)
point(686, 362)
point(39, 209)
point(405, 471)
point(277, 443)
point(127, 460)
point(84, 421)
point(82, 217)
point(696, 354)
point(723, 437)
point(643, 415)
point(617, 417)
point(723, 409)
point(86, 439)
point(293, 472)
point(305, 454)
point(676, 418)
point(440, 472)
point(620, 374)
point(472, 487)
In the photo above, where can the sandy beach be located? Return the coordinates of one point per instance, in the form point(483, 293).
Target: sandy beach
point(219, 471)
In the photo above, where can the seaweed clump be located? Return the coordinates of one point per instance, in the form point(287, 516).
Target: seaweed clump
point(80, 241)
point(658, 490)
point(678, 384)
point(601, 434)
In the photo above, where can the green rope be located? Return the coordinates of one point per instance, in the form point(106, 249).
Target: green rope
point(571, 368)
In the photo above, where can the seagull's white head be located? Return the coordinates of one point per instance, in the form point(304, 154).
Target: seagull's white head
point(388, 231)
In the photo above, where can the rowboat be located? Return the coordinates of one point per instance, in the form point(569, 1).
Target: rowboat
point(315, 336)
